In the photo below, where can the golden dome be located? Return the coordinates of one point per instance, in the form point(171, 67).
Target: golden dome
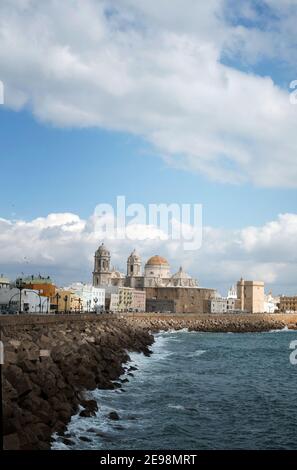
point(157, 261)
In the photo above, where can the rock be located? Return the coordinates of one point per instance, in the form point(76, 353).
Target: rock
point(18, 380)
point(11, 357)
point(84, 439)
point(113, 415)
point(90, 408)
point(41, 394)
point(15, 343)
point(67, 441)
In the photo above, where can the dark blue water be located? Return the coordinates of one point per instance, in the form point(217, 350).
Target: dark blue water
point(201, 391)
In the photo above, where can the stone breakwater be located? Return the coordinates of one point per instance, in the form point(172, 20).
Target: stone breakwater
point(224, 323)
point(48, 366)
point(50, 361)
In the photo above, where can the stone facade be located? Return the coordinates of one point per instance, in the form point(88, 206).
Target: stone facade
point(251, 296)
point(160, 306)
point(180, 300)
point(288, 304)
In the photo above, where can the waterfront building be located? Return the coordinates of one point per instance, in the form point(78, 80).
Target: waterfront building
point(218, 305)
point(251, 296)
point(44, 285)
point(124, 299)
point(28, 301)
point(178, 299)
point(92, 298)
point(271, 303)
point(288, 304)
point(67, 301)
point(224, 305)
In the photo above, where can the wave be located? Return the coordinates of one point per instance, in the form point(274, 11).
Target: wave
point(171, 331)
point(281, 330)
point(176, 407)
point(197, 353)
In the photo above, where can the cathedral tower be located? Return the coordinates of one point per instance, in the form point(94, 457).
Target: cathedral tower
point(101, 274)
point(134, 265)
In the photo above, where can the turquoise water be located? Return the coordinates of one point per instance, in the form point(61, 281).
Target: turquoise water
point(200, 391)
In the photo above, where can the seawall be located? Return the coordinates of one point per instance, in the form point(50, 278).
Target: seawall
point(236, 323)
point(51, 360)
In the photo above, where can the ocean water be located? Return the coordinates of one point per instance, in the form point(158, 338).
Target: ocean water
point(200, 391)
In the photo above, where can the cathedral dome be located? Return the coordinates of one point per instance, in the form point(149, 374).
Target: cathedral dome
point(157, 261)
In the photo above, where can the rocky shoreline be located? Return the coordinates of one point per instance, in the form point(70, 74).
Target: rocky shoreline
point(48, 368)
point(50, 363)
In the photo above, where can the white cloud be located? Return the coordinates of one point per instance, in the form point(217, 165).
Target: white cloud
point(153, 69)
point(63, 245)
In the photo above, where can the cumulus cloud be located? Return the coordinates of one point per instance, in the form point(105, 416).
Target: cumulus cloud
point(63, 245)
point(154, 69)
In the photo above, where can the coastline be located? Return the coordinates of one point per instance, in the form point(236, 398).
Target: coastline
point(50, 363)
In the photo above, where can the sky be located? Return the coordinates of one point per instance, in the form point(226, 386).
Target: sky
point(159, 103)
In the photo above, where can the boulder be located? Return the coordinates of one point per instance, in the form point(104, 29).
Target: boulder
point(113, 415)
point(90, 408)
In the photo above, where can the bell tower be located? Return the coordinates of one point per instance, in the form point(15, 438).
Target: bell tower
point(134, 265)
point(101, 273)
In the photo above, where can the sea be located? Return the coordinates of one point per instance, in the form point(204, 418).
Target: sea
point(199, 391)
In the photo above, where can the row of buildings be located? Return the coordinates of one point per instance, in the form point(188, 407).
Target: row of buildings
point(154, 289)
point(37, 294)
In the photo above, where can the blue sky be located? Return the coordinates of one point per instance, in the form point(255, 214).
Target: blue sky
point(161, 104)
point(46, 169)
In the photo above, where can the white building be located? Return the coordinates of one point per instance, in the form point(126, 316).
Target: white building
point(232, 292)
point(271, 303)
point(93, 298)
point(125, 299)
point(31, 301)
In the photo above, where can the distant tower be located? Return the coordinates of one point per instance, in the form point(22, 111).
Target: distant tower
point(232, 293)
point(101, 274)
point(134, 265)
point(133, 270)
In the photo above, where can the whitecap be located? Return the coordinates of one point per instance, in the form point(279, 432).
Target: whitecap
point(282, 330)
point(176, 407)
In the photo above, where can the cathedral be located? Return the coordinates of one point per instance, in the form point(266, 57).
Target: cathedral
point(156, 272)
